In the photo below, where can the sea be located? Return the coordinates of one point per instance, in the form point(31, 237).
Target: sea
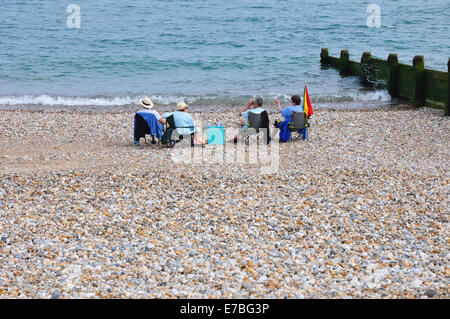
point(106, 55)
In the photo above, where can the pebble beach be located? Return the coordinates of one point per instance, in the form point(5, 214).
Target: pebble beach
point(359, 210)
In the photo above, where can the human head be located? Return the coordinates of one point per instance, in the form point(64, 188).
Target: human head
point(147, 103)
point(258, 102)
point(181, 106)
point(296, 100)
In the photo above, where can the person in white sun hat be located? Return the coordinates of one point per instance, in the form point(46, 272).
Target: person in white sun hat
point(154, 126)
point(147, 104)
point(185, 122)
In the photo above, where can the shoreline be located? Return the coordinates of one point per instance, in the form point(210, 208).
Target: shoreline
point(198, 103)
point(207, 108)
point(359, 210)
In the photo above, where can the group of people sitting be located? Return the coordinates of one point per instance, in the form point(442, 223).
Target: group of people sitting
point(256, 106)
point(185, 123)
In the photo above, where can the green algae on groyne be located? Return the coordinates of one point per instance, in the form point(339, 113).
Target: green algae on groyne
point(413, 83)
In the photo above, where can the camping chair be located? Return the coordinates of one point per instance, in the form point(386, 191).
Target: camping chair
point(169, 128)
point(299, 124)
point(142, 128)
point(255, 123)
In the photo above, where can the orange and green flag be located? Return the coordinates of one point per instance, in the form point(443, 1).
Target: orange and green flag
point(307, 107)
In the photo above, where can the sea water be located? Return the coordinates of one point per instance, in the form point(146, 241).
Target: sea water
point(204, 52)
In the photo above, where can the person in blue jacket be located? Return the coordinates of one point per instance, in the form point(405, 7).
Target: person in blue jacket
point(295, 106)
point(185, 123)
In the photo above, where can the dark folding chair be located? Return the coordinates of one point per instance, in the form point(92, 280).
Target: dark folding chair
point(299, 123)
point(169, 129)
point(257, 121)
point(141, 129)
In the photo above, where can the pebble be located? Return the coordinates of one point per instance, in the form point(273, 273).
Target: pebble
point(416, 283)
point(273, 222)
point(353, 207)
point(56, 294)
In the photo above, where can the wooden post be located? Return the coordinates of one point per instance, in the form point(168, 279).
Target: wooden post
point(392, 77)
point(324, 56)
point(447, 109)
point(344, 63)
point(365, 71)
point(419, 81)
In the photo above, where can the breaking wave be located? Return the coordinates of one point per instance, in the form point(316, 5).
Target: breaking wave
point(112, 102)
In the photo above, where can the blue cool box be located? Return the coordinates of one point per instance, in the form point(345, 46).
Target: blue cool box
point(216, 135)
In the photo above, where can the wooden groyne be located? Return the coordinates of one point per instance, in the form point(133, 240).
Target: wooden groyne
point(413, 83)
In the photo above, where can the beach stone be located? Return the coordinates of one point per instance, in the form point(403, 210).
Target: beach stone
point(56, 294)
point(430, 293)
point(416, 283)
point(273, 222)
point(104, 219)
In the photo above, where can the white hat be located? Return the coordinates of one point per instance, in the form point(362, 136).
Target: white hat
point(147, 103)
point(181, 106)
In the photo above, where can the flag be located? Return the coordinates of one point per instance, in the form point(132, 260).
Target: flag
point(307, 107)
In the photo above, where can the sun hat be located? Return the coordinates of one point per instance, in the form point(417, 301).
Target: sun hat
point(181, 106)
point(146, 102)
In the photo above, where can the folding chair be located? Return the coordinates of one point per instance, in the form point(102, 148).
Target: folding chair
point(142, 128)
point(169, 129)
point(299, 124)
point(257, 121)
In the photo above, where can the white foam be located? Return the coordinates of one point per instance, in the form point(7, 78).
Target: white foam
point(379, 95)
point(367, 96)
point(172, 99)
point(47, 100)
